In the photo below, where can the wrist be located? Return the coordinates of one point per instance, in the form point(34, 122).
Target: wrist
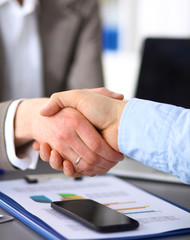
point(26, 121)
point(110, 132)
point(120, 109)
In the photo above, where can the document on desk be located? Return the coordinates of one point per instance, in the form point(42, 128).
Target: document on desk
point(155, 215)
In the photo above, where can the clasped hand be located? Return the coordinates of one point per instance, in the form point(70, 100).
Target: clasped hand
point(84, 131)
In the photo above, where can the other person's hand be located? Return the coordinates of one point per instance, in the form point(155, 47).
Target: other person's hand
point(104, 113)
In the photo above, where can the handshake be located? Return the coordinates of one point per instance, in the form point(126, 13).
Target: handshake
point(75, 131)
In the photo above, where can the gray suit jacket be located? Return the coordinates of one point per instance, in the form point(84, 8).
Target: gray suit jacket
point(71, 44)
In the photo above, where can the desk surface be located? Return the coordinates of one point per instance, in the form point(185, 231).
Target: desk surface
point(177, 193)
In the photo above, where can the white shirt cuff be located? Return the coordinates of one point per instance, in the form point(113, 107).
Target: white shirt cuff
point(29, 157)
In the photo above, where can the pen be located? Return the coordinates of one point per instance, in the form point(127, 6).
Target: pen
point(78, 178)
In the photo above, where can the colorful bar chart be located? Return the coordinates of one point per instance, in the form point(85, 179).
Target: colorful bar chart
point(69, 196)
point(41, 199)
point(130, 207)
point(114, 203)
point(127, 208)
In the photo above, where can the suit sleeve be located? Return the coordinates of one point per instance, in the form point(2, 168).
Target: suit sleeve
point(4, 161)
point(87, 66)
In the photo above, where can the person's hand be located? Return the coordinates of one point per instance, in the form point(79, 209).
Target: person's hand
point(70, 133)
point(54, 158)
point(57, 158)
point(102, 111)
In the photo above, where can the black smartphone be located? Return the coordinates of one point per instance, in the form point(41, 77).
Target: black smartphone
point(95, 215)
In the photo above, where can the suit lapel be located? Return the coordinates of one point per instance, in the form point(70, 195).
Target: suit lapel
point(59, 28)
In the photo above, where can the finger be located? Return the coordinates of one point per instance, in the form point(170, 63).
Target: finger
point(96, 144)
point(53, 105)
point(106, 92)
point(85, 141)
point(36, 146)
point(69, 169)
point(90, 170)
point(71, 98)
point(81, 139)
point(84, 168)
point(58, 163)
point(56, 160)
point(71, 154)
point(91, 164)
point(45, 151)
point(94, 168)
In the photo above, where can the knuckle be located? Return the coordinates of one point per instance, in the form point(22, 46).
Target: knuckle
point(73, 119)
point(115, 157)
point(87, 168)
point(96, 146)
point(60, 136)
point(54, 96)
point(64, 136)
point(61, 147)
point(76, 121)
point(93, 159)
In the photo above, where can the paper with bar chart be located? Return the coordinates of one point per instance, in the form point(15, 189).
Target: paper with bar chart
point(154, 215)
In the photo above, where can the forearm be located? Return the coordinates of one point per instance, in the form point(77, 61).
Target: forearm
point(158, 135)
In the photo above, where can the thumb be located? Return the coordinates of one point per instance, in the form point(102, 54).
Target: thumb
point(53, 106)
point(106, 92)
point(71, 98)
point(59, 101)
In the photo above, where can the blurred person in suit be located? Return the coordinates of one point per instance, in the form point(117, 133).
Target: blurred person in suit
point(45, 46)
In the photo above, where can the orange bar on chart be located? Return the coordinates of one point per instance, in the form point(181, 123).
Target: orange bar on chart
point(122, 209)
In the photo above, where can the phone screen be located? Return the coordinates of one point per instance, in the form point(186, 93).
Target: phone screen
point(95, 215)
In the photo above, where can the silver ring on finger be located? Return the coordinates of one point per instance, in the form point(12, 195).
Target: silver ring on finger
point(78, 160)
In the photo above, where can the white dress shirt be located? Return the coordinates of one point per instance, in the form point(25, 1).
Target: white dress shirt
point(23, 58)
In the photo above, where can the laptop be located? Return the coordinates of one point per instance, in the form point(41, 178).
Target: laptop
point(164, 76)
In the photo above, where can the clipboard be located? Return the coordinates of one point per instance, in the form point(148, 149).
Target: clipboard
point(29, 219)
point(40, 226)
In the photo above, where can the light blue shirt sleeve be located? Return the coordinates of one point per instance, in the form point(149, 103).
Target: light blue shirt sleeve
point(157, 135)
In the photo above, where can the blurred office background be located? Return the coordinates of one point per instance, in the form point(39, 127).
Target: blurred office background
point(126, 23)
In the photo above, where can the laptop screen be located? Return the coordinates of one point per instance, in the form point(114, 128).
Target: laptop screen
point(165, 71)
